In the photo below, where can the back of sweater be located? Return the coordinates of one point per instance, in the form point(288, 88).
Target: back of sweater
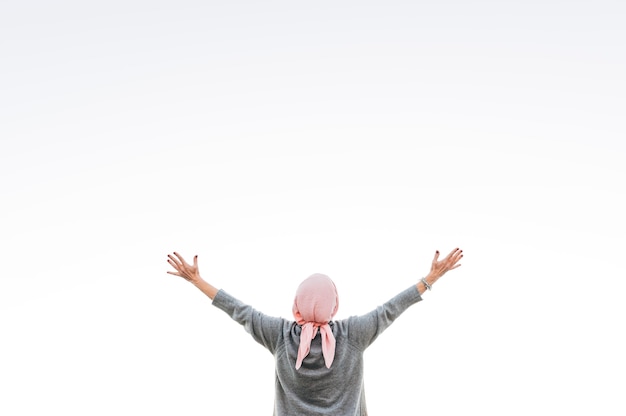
point(315, 390)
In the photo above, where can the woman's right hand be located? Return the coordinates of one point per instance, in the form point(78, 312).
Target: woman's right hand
point(441, 267)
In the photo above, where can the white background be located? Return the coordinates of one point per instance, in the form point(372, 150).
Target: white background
point(280, 139)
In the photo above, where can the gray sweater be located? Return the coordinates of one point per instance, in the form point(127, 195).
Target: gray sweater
point(315, 390)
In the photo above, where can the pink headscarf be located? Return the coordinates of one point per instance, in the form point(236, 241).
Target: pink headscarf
point(315, 305)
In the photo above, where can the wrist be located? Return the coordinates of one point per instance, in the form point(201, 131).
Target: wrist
point(423, 285)
point(431, 279)
point(196, 281)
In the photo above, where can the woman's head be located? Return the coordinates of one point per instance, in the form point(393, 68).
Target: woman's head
point(316, 300)
point(315, 305)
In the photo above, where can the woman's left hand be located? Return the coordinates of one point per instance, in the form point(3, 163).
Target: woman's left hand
point(189, 272)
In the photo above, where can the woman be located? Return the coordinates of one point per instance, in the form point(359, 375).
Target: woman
point(319, 362)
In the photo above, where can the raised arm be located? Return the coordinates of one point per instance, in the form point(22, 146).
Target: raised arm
point(439, 268)
point(264, 329)
point(366, 328)
point(191, 273)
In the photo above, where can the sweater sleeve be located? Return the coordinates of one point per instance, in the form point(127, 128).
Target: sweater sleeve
point(363, 330)
point(264, 329)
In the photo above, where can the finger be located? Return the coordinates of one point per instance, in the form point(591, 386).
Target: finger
point(179, 275)
point(456, 260)
point(175, 265)
point(436, 256)
point(452, 257)
point(195, 261)
point(180, 258)
point(455, 257)
point(174, 262)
